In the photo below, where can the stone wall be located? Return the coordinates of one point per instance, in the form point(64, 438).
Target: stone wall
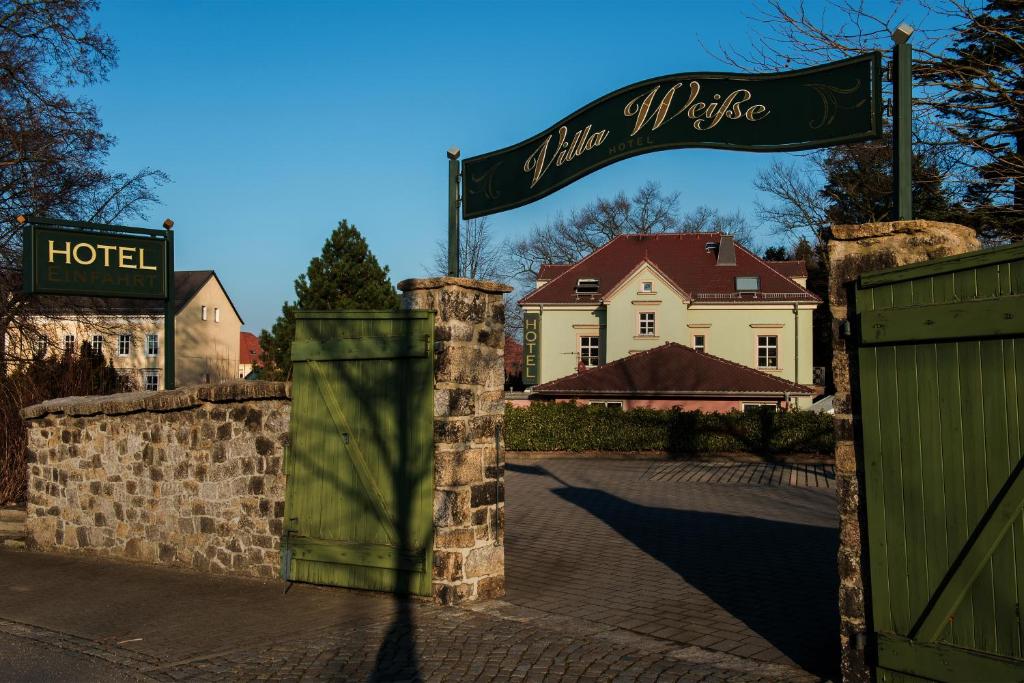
point(856, 249)
point(190, 477)
point(469, 464)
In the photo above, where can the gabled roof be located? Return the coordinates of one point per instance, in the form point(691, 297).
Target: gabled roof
point(187, 284)
point(796, 268)
point(683, 258)
point(248, 348)
point(549, 271)
point(671, 370)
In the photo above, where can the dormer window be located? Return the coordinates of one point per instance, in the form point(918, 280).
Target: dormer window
point(748, 284)
point(587, 285)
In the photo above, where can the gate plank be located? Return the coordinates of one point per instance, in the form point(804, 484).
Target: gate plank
point(345, 430)
point(1002, 512)
point(360, 554)
point(944, 662)
point(981, 318)
point(364, 348)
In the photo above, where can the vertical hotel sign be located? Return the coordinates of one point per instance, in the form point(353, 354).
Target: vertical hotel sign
point(531, 348)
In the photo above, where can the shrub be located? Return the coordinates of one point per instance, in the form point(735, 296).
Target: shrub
point(571, 427)
point(73, 374)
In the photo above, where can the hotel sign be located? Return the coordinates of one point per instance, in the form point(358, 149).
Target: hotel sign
point(531, 348)
point(826, 105)
point(83, 263)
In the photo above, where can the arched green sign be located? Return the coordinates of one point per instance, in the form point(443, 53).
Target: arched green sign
point(826, 105)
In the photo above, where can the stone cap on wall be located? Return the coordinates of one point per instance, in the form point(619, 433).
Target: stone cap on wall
point(161, 401)
point(486, 286)
point(860, 231)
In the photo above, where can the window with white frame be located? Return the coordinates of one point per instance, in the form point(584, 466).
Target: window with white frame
point(40, 347)
point(202, 312)
point(590, 351)
point(152, 345)
point(647, 324)
point(758, 407)
point(69, 343)
point(151, 379)
point(124, 344)
point(699, 342)
point(647, 287)
point(97, 343)
point(767, 351)
point(216, 315)
point(608, 404)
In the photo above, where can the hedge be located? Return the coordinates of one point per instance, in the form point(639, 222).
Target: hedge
point(572, 427)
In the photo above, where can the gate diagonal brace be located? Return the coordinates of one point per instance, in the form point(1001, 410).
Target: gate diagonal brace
point(355, 451)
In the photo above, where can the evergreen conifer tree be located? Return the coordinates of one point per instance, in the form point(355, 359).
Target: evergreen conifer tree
point(346, 276)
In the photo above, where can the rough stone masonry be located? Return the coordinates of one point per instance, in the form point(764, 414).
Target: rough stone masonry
point(469, 405)
point(856, 249)
point(191, 476)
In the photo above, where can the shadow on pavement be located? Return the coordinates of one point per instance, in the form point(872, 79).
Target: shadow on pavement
point(779, 578)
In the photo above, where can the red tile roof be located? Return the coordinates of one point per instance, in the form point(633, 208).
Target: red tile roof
point(549, 271)
point(672, 370)
point(682, 258)
point(797, 268)
point(248, 348)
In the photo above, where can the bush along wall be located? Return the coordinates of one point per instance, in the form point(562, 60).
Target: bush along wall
point(572, 427)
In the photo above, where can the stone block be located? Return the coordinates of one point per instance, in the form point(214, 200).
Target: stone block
point(454, 538)
point(487, 493)
point(447, 566)
point(457, 467)
point(488, 560)
point(490, 588)
point(452, 593)
point(451, 507)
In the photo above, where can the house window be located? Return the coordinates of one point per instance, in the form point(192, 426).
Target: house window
point(647, 324)
point(607, 404)
point(748, 284)
point(647, 287)
point(202, 312)
point(589, 351)
point(767, 351)
point(758, 407)
point(40, 349)
point(69, 343)
point(698, 342)
point(152, 345)
point(124, 344)
point(216, 315)
point(151, 379)
point(97, 343)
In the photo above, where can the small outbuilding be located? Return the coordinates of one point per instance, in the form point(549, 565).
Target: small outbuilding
point(674, 376)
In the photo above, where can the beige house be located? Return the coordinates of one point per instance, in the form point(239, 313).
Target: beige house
point(130, 332)
point(700, 290)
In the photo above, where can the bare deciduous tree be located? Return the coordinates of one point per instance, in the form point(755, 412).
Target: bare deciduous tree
point(52, 146)
point(481, 255)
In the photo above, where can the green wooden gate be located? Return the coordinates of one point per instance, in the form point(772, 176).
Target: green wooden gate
point(941, 370)
point(359, 499)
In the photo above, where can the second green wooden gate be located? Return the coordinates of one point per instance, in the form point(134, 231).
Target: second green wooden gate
point(941, 371)
point(359, 499)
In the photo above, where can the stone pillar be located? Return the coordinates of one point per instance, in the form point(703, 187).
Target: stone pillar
point(856, 249)
point(469, 407)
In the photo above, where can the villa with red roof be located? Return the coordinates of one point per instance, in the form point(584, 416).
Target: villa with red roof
point(702, 291)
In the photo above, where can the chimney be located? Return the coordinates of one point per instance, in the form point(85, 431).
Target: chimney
point(726, 251)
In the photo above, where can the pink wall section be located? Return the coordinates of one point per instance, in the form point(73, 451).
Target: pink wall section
point(707, 405)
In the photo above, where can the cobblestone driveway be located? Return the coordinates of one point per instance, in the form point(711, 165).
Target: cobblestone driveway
point(748, 570)
point(612, 577)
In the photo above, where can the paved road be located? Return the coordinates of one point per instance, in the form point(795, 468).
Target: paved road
point(745, 569)
point(583, 562)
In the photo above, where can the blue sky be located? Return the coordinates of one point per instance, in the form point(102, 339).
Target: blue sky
point(276, 120)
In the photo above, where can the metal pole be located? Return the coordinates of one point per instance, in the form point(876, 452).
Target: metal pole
point(169, 308)
point(902, 123)
point(453, 212)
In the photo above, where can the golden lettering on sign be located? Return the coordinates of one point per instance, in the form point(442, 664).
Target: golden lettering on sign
point(540, 161)
point(85, 254)
point(648, 111)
